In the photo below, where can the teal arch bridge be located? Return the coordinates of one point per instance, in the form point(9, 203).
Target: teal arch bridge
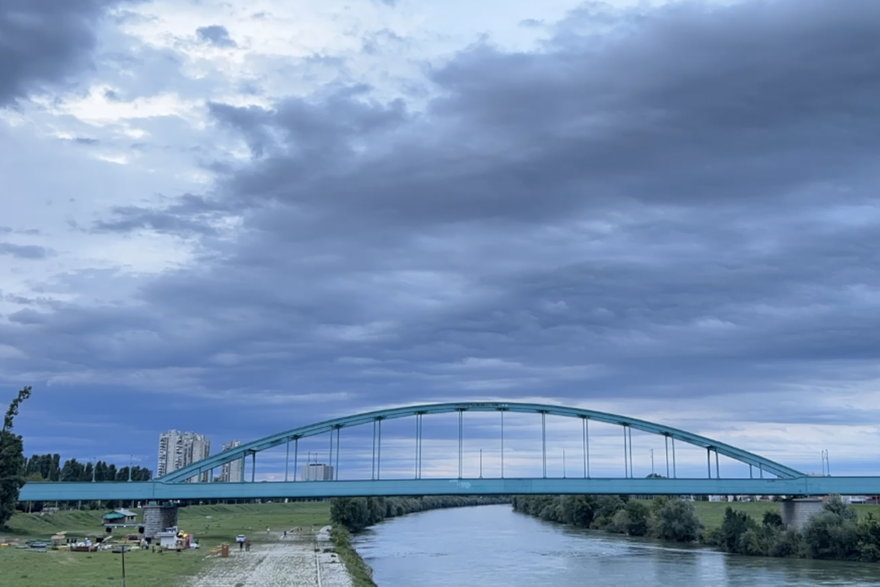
point(766, 477)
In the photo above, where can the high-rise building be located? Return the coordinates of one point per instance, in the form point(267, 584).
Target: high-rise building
point(317, 472)
point(170, 452)
point(232, 472)
point(178, 449)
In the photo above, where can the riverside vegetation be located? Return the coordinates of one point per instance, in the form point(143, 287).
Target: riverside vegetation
point(835, 534)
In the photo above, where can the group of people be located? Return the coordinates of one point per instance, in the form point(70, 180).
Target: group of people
point(243, 543)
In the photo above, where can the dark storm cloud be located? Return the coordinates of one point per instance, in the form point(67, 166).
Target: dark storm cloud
point(683, 206)
point(44, 41)
point(215, 35)
point(24, 251)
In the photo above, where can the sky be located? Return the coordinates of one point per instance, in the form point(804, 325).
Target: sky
point(237, 218)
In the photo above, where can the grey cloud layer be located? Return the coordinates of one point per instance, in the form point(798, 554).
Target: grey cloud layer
point(216, 35)
point(44, 42)
point(683, 206)
point(24, 251)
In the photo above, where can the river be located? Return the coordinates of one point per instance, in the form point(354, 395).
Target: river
point(493, 546)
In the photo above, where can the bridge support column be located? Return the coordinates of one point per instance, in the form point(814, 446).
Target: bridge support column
point(158, 517)
point(709, 461)
point(625, 457)
point(797, 512)
point(717, 466)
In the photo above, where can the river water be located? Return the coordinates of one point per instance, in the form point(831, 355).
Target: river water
point(493, 546)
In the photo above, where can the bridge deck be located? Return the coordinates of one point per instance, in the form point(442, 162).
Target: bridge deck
point(393, 487)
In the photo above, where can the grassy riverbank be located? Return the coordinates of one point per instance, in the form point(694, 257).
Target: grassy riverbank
point(711, 513)
point(26, 568)
point(360, 572)
point(840, 532)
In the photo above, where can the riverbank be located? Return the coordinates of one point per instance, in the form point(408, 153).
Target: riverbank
point(302, 559)
point(211, 526)
point(837, 533)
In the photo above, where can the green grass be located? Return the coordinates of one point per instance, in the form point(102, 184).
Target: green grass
point(711, 513)
point(360, 573)
point(24, 568)
point(77, 523)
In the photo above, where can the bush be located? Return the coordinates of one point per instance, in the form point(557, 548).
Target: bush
point(676, 521)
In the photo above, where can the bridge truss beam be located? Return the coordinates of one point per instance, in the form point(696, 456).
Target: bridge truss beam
point(153, 490)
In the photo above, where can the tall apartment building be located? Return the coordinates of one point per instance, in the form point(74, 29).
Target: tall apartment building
point(317, 472)
point(178, 449)
point(232, 472)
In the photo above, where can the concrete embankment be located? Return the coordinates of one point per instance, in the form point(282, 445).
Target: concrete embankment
point(301, 560)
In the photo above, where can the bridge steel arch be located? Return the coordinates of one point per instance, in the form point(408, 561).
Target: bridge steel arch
point(282, 438)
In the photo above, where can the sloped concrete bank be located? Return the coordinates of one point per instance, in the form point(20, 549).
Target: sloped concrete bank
point(302, 560)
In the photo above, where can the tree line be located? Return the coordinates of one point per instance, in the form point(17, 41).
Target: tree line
point(48, 468)
point(835, 533)
point(357, 513)
point(664, 518)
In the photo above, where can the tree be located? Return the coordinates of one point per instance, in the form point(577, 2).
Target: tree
point(637, 517)
point(734, 528)
point(12, 461)
point(676, 520)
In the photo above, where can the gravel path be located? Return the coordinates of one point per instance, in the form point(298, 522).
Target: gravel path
point(291, 562)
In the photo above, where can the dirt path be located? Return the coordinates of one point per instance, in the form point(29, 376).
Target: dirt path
point(290, 562)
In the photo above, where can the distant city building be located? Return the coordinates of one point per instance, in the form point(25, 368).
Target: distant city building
point(234, 471)
point(178, 449)
point(317, 472)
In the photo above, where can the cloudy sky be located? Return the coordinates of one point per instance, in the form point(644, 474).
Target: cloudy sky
point(238, 217)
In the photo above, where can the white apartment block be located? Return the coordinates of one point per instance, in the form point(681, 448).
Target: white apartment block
point(232, 472)
point(317, 472)
point(178, 449)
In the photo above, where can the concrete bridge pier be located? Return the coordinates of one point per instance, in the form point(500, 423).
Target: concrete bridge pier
point(797, 512)
point(157, 517)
